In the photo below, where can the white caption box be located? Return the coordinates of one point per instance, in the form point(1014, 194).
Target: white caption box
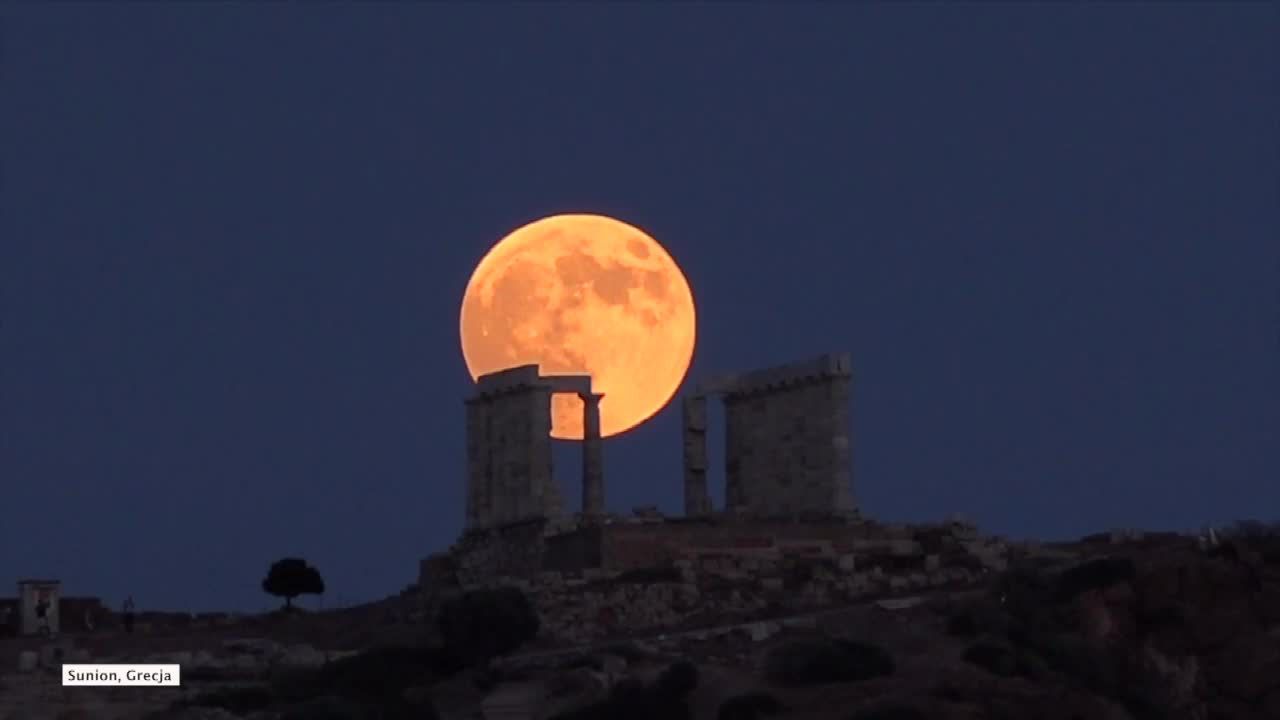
point(121, 675)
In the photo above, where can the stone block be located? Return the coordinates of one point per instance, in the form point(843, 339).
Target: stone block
point(52, 656)
point(902, 547)
point(761, 631)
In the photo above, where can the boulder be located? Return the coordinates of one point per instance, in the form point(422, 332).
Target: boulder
point(574, 690)
point(203, 713)
point(613, 668)
point(28, 661)
point(169, 658)
point(762, 631)
point(301, 656)
point(252, 646)
point(455, 698)
point(821, 662)
point(51, 656)
point(247, 662)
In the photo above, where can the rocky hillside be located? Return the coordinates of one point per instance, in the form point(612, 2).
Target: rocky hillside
point(1164, 628)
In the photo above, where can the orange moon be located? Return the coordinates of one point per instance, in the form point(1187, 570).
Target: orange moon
point(583, 294)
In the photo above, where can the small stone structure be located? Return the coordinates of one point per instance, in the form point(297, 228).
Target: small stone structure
point(509, 473)
point(786, 440)
point(30, 594)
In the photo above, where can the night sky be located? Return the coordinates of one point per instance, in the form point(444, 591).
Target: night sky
point(234, 240)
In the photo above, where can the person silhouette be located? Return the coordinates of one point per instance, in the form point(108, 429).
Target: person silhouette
point(42, 613)
point(127, 614)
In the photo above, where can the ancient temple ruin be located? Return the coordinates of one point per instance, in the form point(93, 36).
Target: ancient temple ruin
point(786, 440)
point(509, 467)
point(787, 537)
point(786, 444)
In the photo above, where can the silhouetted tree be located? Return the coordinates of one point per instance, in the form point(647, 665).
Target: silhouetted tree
point(290, 577)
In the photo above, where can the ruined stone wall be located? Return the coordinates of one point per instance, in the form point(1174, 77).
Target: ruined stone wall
point(787, 448)
point(75, 611)
point(745, 576)
point(528, 548)
point(437, 571)
point(576, 550)
point(627, 546)
point(513, 550)
point(591, 581)
point(509, 457)
point(637, 546)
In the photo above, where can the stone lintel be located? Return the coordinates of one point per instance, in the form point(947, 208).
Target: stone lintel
point(527, 376)
point(568, 384)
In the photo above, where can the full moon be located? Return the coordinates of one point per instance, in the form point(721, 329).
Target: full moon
point(583, 294)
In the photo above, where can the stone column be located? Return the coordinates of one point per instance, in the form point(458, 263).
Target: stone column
point(592, 456)
point(544, 494)
point(697, 499)
point(845, 499)
point(479, 473)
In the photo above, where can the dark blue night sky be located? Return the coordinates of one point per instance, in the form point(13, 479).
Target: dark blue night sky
point(234, 240)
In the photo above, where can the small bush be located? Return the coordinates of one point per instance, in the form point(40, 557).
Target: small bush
point(1076, 659)
point(650, 576)
point(751, 706)
point(238, 701)
point(631, 700)
point(1260, 537)
point(322, 709)
point(333, 708)
point(804, 663)
point(380, 672)
point(1094, 575)
point(590, 662)
point(962, 624)
point(1024, 597)
point(797, 576)
point(483, 624)
point(1023, 584)
point(995, 659)
point(678, 680)
point(627, 651)
point(953, 693)
point(890, 712)
point(1253, 529)
point(979, 618)
point(1162, 618)
point(629, 691)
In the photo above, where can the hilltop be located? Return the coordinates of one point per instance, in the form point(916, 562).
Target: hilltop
point(1113, 626)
